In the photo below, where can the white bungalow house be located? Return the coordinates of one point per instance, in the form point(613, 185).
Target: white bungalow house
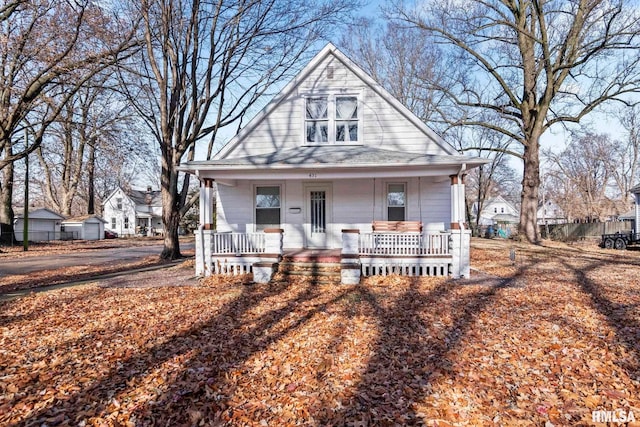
point(550, 213)
point(331, 154)
point(133, 212)
point(494, 209)
point(43, 225)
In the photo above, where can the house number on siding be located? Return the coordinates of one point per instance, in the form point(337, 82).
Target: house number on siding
point(313, 175)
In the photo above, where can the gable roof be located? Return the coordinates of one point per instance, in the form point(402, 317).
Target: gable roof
point(41, 213)
point(150, 198)
point(328, 50)
point(83, 218)
point(138, 197)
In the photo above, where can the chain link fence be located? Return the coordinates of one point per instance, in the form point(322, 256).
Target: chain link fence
point(16, 238)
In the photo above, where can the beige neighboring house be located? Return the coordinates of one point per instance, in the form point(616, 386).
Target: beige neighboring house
point(133, 212)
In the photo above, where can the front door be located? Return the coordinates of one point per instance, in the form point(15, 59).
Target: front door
point(317, 215)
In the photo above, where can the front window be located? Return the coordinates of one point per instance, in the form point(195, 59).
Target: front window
point(267, 207)
point(119, 203)
point(113, 223)
point(317, 120)
point(396, 202)
point(126, 222)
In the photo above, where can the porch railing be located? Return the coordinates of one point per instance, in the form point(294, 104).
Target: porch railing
point(404, 244)
point(238, 243)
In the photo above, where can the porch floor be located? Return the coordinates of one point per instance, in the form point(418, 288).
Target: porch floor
point(311, 255)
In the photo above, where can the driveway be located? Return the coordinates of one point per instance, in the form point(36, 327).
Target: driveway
point(12, 266)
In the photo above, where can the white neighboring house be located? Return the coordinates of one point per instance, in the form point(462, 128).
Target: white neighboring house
point(496, 210)
point(333, 152)
point(85, 227)
point(44, 225)
point(550, 213)
point(133, 212)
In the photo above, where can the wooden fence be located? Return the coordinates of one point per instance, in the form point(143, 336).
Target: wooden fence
point(579, 231)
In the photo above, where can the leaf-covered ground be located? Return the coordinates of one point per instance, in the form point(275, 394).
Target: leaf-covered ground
point(540, 341)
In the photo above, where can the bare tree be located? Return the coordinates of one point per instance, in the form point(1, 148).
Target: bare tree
point(205, 65)
point(494, 178)
point(528, 65)
point(395, 57)
point(626, 173)
point(581, 177)
point(44, 45)
point(95, 122)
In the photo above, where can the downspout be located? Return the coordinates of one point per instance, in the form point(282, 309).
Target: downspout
point(463, 168)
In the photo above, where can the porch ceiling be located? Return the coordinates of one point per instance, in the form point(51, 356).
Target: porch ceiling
point(331, 162)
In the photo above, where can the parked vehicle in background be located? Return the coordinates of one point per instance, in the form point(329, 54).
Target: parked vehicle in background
point(619, 240)
point(110, 234)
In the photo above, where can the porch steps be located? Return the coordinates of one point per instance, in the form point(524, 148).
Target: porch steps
point(319, 273)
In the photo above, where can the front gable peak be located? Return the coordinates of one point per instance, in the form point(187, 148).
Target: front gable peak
point(333, 101)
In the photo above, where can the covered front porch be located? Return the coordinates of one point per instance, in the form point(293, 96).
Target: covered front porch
point(318, 199)
point(362, 254)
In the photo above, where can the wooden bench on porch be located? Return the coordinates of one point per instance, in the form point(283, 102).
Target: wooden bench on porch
point(397, 226)
point(397, 237)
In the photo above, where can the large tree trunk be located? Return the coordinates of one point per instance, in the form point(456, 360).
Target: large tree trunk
point(530, 188)
point(170, 210)
point(6, 198)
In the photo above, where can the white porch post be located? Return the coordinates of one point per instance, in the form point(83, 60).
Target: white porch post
point(206, 203)
point(457, 202)
point(460, 239)
point(204, 235)
point(149, 226)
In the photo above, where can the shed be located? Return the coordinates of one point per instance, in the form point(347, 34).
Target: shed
point(86, 227)
point(44, 225)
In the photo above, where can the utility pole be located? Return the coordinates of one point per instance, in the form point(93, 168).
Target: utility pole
point(25, 232)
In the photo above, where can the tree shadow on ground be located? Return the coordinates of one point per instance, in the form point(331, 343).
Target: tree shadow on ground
point(208, 357)
point(399, 375)
point(620, 316)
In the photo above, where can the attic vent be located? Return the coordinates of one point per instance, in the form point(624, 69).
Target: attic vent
point(330, 72)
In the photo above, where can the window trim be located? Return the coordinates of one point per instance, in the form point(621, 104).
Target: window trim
point(254, 194)
point(331, 96)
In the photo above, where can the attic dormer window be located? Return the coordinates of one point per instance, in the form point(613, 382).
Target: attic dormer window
point(346, 118)
point(331, 119)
